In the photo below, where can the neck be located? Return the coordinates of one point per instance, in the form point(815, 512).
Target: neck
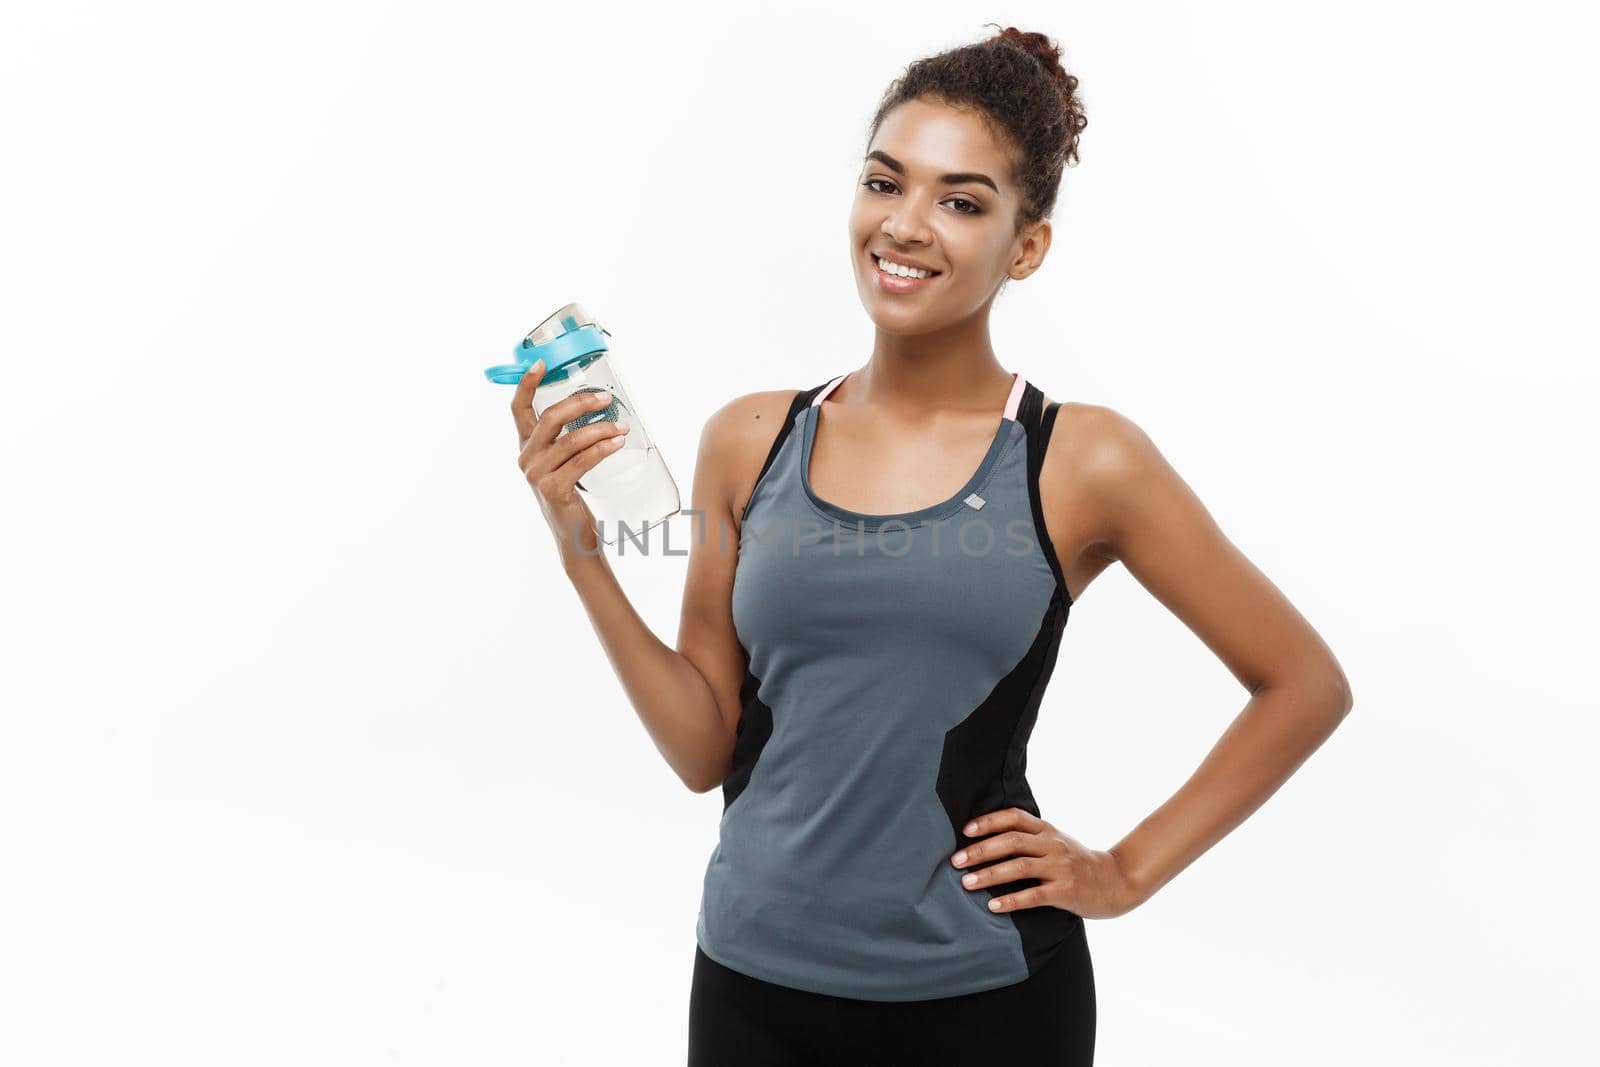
point(950, 369)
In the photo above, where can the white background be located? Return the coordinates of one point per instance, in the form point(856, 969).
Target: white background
point(310, 753)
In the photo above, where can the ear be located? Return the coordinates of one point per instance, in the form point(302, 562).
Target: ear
point(1035, 242)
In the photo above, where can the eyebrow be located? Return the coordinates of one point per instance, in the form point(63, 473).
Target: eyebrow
point(949, 179)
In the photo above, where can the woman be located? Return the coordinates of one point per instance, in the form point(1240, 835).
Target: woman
point(859, 669)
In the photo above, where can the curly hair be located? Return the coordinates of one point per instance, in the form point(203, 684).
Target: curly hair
point(1015, 81)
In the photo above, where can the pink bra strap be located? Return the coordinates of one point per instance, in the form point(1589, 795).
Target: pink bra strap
point(826, 390)
point(1016, 396)
point(1018, 384)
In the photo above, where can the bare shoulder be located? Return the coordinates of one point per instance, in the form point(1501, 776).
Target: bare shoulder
point(746, 422)
point(736, 438)
point(1098, 465)
point(1106, 446)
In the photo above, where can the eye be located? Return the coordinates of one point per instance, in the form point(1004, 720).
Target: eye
point(975, 209)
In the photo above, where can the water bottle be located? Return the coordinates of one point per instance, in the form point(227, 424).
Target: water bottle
point(630, 487)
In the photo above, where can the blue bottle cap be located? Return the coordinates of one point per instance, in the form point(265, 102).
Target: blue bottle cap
point(560, 350)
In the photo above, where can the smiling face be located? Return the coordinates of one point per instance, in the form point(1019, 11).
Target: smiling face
point(936, 191)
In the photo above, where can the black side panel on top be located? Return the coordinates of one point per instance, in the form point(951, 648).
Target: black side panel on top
point(983, 766)
point(750, 737)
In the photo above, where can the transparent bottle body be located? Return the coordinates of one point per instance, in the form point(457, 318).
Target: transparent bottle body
point(630, 488)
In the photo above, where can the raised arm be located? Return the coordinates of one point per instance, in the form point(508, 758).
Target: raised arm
point(687, 698)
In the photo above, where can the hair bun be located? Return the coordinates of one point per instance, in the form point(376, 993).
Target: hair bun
point(1045, 51)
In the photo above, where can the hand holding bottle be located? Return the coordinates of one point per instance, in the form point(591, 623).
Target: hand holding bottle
point(553, 467)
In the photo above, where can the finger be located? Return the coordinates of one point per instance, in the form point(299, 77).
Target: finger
point(522, 399)
point(1009, 843)
point(562, 480)
point(1004, 819)
point(538, 458)
point(557, 468)
point(1003, 872)
point(1032, 897)
point(555, 417)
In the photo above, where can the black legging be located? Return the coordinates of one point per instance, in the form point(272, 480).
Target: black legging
point(1046, 1020)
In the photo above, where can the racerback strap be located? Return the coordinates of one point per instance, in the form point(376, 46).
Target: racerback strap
point(1038, 426)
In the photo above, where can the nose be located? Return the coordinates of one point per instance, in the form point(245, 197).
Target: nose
point(906, 225)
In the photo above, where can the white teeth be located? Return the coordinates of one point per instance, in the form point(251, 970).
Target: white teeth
point(889, 267)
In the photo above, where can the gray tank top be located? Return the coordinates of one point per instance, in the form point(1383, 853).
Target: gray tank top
point(895, 665)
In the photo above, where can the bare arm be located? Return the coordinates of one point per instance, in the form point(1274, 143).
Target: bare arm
point(1158, 528)
point(736, 442)
point(686, 698)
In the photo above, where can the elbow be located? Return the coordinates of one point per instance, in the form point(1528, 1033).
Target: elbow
point(704, 783)
point(716, 767)
point(1340, 696)
point(1325, 683)
point(1325, 688)
point(1347, 699)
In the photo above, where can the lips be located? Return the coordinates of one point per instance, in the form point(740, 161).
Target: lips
point(885, 282)
point(874, 256)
